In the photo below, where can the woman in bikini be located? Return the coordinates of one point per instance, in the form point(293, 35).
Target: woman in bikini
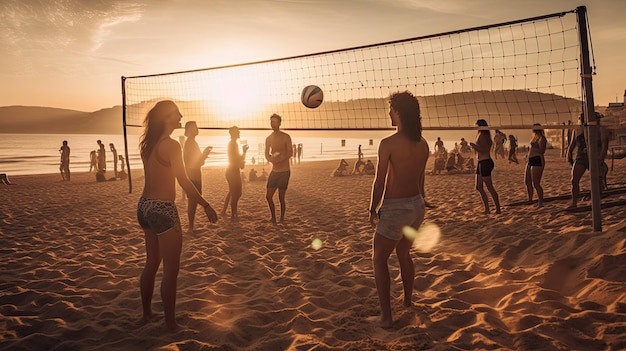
point(156, 211)
point(485, 166)
point(535, 164)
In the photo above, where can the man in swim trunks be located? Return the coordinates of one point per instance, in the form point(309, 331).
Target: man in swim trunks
point(399, 176)
point(278, 151)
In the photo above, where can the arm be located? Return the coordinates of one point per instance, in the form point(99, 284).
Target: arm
point(543, 143)
point(378, 187)
point(242, 162)
point(570, 148)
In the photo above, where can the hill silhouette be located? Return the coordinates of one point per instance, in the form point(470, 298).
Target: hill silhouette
point(49, 120)
point(517, 107)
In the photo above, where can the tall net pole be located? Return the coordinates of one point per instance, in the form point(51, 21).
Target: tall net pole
point(592, 129)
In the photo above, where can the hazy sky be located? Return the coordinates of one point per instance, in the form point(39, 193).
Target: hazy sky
point(72, 53)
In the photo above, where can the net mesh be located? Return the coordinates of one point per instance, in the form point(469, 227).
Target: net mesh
point(512, 75)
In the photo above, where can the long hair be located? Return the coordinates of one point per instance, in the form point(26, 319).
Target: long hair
point(154, 125)
point(408, 108)
point(538, 131)
point(486, 132)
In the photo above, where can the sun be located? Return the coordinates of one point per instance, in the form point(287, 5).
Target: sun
point(235, 94)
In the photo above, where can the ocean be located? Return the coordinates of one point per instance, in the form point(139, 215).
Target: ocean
point(24, 154)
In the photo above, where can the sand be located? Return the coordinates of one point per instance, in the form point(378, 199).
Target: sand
point(528, 279)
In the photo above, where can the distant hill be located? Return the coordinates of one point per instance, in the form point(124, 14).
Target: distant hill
point(515, 106)
point(48, 120)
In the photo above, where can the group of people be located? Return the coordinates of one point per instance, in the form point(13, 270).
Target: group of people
point(361, 166)
point(165, 162)
point(97, 162)
point(453, 162)
point(397, 196)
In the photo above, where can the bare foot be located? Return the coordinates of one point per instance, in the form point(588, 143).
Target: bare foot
point(173, 327)
point(498, 211)
point(385, 324)
point(145, 319)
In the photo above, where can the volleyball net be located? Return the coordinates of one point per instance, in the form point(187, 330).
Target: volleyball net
point(511, 74)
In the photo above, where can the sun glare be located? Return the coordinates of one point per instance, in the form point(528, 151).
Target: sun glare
point(235, 95)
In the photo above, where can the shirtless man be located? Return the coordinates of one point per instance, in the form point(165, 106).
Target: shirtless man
point(278, 151)
point(399, 176)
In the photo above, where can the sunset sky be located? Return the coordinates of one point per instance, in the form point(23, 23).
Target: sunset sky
point(72, 53)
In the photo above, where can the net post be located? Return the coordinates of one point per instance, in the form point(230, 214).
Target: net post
point(130, 182)
point(592, 128)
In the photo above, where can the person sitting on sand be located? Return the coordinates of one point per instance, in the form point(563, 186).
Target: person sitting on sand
point(157, 214)
point(358, 167)
point(398, 186)
point(369, 168)
point(263, 176)
point(253, 176)
point(4, 179)
point(342, 169)
point(451, 163)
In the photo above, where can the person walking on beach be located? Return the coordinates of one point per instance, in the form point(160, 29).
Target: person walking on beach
point(114, 151)
point(535, 165)
point(513, 149)
point(65, 161)
point(102, 157)
point(580, 164)
point(278, 151)
point(236, 162)
point(194, 160)
point(485, 166)
point(156, 211)
point(399, 173)
point(93, 161)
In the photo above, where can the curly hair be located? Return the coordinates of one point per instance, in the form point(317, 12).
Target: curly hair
point(408, 108)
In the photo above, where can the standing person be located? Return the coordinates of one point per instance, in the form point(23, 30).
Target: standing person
point(156, 211)
point(401, 164)
point(581, 163)
point(299, 152)
point(102, 157)
point(236, 162)
point(438, 145)
point(513, 149)
point(485, 166)
point(114, 151)
point(194, 160)
point(278, 151)
point(65, 161)
point(93, 161)
point(535, 165)
point(360, 153)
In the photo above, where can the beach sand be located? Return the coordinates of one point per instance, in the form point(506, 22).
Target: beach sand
point(527, 279)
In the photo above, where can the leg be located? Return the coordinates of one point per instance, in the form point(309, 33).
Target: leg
point(235, 191)
point(226, 202)
point(382, 249)
point(537, 173)
point(146, 281)
point(493, 192)
point(407, 269)
point(481, 191)
point(269, 196)
point(283, 205)
point(577, 172)
point(170, 245)
point(528, 181)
